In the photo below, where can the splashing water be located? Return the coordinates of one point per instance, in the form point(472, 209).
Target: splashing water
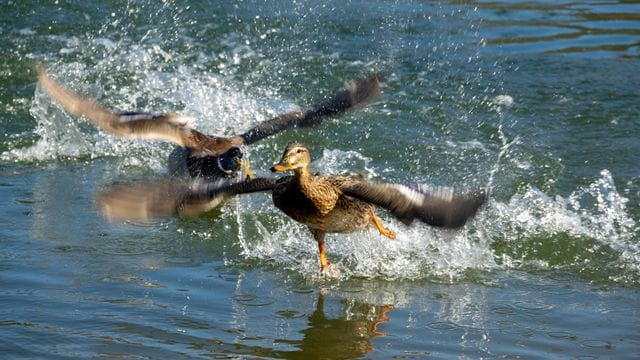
point(220, 107)
point(498, 103)
point(590, 230)
point(597, 211)
point(530, 228)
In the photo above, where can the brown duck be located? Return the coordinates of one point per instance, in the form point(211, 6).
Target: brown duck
point(326, 204)
point(200, 155)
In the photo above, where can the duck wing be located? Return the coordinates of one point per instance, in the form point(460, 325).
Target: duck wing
point(166, 197)
point(440, 207)
point(357, 93)
point(168, 127)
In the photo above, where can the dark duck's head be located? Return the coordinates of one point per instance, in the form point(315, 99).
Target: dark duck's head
point(225, 165)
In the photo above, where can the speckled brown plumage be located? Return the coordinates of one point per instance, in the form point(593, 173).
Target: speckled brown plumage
point(317, 201)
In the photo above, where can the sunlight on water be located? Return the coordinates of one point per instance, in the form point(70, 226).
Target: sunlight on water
point(145, 75)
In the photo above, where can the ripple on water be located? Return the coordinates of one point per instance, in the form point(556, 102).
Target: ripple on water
point(534, 308)
point(562, 335)
point(596, 344)
point(303, 287)
point(253, 300)
point(228, 274)
point(442, 325)
point(503, 309)
point(180, 261)
point(290, 314)
point(151, 284)
point(152, 223)
point(515, 328)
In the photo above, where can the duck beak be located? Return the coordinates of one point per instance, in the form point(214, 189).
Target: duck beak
point(280, 167)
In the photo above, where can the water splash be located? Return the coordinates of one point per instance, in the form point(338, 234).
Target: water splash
point(220, 106)
point(597, 211)
point(590, 231)
point(498, 104)
point(130, 67)
point(334, 162)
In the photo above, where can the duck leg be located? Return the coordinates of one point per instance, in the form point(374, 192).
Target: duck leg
point(386, 232)
point(319, 236)
point(245, 165)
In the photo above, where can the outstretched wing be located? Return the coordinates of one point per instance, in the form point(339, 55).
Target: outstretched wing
point(357, 93)
point(167, 197)
point(168, 127)
point(441, 207)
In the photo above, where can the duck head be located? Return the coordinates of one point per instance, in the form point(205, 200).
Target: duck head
point(296, 157)
point(225, 165)
point(230, 162)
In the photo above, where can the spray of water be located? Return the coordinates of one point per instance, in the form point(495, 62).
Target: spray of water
point(509, 234)
point(589, 231)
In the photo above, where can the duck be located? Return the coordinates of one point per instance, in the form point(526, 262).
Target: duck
point(324, 203)
point(198, 155)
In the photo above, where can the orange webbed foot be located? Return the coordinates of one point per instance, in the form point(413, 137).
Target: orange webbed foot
point(384, 231)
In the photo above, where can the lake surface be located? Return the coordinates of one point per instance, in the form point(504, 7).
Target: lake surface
point(537, 101)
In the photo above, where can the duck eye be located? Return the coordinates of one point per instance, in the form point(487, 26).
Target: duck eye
point(299, 151)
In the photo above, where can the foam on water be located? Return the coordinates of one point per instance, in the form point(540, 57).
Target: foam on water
point(590, 230)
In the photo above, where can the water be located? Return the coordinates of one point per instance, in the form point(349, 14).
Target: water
point(536, 101)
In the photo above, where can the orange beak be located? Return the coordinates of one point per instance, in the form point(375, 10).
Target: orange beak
point(280, 167)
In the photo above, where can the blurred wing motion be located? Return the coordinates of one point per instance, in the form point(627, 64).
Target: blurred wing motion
point(440, 207)
point(356, 94)
point(167, 197)
point(176, 128)
point(169, 127)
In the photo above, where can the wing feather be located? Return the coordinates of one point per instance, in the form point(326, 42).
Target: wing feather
point(440, 207)
point(356, 94)
point(176, 128)
point(166, 197)
point(168, 127)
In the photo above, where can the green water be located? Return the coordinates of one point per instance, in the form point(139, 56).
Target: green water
point(536, 101)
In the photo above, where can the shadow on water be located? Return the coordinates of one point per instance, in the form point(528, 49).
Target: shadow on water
point(345, 337)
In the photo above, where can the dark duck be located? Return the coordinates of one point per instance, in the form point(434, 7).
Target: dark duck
point(199, 155)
